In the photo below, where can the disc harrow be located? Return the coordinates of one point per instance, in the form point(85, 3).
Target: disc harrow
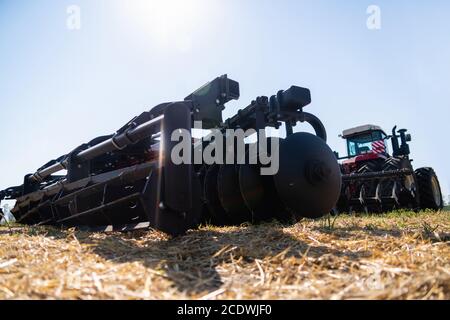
point(129, 179)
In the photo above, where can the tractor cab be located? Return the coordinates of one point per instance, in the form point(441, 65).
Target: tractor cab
point(365, 144)
point(364, 140)
point(368, 143)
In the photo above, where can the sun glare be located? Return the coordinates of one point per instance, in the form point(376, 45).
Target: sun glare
point(168, 22)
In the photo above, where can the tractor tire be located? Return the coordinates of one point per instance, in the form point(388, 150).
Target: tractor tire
point(370, 166)
point(406, 194)
point(429, 189)
point(342, 204)
point(387, 186)
point(392, 164)
point(369, 187)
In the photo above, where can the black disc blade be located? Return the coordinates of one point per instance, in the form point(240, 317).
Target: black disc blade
point(251, 185)
point(218, 215)
point(260, 195)
point(309, 179)
point(230, 194)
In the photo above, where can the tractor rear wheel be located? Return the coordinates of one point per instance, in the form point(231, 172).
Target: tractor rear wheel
point(429, 189)
point(343, 202)
point(389, 187)
point(398, 192)
point(368, 189)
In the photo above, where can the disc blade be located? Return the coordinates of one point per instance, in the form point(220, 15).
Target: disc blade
point(218, 214)
point(260, 195)
point(309, 179)
point(230, 194)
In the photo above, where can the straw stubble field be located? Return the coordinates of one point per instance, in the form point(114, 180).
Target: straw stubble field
point(396, 256)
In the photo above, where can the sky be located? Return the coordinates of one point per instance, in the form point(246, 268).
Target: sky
point(61, 85)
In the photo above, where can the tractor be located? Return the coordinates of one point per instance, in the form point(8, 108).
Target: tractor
point(375, 180)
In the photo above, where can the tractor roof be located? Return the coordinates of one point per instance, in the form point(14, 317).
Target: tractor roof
point(361, 129)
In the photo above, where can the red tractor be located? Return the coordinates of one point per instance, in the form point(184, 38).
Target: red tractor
point(374, 180)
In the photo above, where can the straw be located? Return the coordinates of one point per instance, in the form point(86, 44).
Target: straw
point(403, 255)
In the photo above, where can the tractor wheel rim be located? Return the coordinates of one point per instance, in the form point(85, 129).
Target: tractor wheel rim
point(436, 192)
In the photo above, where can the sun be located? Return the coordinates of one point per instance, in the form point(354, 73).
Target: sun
point(167, 22)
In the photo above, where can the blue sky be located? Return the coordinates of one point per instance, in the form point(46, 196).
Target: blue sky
point(60, 87)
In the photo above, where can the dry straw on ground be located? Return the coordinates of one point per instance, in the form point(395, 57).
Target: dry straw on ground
point(395, 256)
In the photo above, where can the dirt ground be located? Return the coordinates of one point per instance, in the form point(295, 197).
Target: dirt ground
point(396, 256)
